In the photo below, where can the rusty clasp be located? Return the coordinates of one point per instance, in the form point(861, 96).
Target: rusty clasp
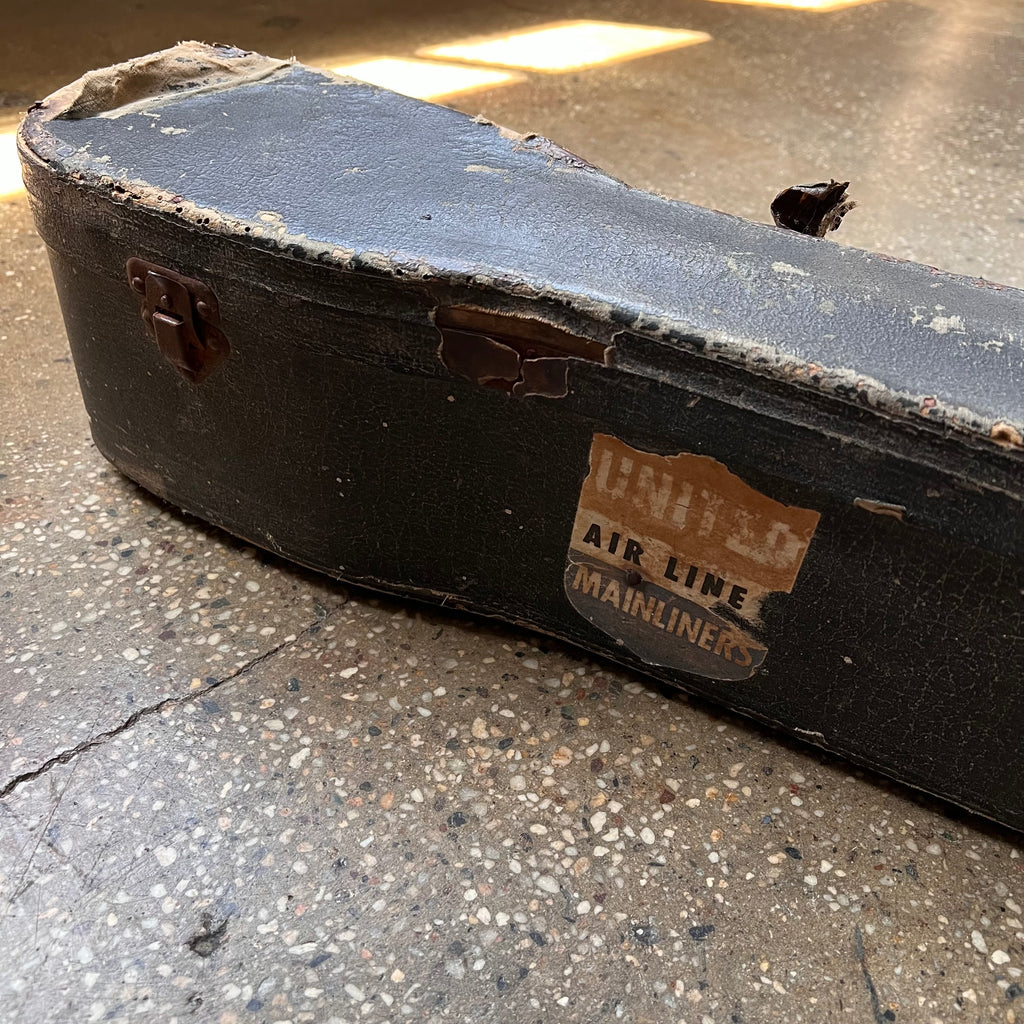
point(182, 315)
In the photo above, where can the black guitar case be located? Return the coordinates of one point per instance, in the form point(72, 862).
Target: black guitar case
point(431, 356)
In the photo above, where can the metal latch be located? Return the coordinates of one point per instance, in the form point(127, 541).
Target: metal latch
point(183, 316)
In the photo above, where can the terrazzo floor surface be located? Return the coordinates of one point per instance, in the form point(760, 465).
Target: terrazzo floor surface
point(234, 791)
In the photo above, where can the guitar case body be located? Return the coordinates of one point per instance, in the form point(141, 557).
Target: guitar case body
point(434, 357)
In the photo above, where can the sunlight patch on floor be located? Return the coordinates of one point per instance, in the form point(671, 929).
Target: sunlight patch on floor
point(800, 5)
point(424, 79)
point(10, 168)
point(567, 45)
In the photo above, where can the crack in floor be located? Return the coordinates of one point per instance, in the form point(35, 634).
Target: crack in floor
point(67, 756)
point(881, 1017)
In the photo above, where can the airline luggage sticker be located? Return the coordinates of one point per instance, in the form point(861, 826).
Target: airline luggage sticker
point(674, 555)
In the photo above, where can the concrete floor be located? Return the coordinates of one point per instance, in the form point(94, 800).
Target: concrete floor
point(233, 791)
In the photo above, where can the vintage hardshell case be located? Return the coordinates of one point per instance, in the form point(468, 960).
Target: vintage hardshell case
point(426, 354)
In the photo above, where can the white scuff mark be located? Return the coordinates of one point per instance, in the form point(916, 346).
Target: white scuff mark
point(995, 345)
point(880, 508)
point(787, 268)
point(945, 324)
point(381, 260)
point(741, 273)
point(168, 130)
point(810, 734)
point(484, 169)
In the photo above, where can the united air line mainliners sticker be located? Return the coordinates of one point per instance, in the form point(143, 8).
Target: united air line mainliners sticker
point(673, 555)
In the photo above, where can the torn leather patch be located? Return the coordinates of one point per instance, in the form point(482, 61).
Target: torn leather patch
point(812, 209)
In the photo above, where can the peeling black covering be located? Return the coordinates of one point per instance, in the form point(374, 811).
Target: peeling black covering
point(813, 210)
point(333, 220)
